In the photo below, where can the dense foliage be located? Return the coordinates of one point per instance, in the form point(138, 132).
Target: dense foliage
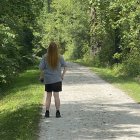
point(115, 31)
point(103, 32)
point(17, 27)
point(66, 22)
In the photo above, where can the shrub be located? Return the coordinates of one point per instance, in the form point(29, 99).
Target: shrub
point(132, 64)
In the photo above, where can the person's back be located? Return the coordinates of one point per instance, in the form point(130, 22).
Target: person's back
point(52, 75)
point(50, 66)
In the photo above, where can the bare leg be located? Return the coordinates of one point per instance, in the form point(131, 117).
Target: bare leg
point(57, 100)
point(44, 98)
point(48, 100)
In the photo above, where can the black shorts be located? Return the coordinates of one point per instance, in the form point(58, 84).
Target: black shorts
point(54, 87)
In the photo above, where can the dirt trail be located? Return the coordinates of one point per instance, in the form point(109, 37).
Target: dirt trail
point(91, 109)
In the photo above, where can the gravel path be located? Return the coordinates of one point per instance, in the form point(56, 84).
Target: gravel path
point(91, 109)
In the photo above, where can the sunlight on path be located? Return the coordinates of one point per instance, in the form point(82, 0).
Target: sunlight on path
point(91, 109)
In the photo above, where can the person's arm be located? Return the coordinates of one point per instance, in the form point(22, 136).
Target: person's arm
point(64, 65)
point(41, 75)
point(63, 73)
point(42, 67)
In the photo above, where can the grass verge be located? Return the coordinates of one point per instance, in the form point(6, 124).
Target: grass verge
point(20, 107)
point(127, 84)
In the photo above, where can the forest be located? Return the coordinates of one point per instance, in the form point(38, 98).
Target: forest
point(101, 33)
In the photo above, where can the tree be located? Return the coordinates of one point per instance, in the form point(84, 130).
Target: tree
point(17, 26)
point(68, 24)
point(115, 30)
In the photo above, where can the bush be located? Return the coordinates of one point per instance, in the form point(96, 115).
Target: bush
point(131, 64)
point(8, 70)
point(91, 60)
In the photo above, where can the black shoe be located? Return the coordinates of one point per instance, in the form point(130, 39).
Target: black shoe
point(58, 114)
point(47, 114)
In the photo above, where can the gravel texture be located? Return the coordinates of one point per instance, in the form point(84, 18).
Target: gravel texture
point(91, 109)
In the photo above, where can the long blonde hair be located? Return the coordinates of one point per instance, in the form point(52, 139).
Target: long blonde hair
point(53, 55)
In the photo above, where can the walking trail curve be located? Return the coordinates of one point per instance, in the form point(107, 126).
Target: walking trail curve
point(91, 109)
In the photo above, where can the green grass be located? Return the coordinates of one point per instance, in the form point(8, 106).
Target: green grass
point(20, 106)
point(20, 103)
point(127, 84)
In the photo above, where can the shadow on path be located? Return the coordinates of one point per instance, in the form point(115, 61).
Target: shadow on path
point(98, 121)
point(92, 109)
